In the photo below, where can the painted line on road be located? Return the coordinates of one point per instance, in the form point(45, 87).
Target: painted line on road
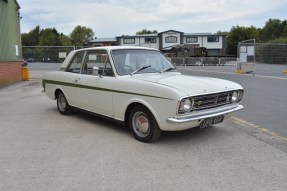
point(254, 126)
point(260, 76)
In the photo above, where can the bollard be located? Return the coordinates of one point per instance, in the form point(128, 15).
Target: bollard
point(285, 71)
point(25, 74)
point(243, 68)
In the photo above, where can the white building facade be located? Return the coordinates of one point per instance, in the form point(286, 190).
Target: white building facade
point(214, 43)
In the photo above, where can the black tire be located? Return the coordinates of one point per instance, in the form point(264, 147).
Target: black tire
point(143, 124)
point(63, 106)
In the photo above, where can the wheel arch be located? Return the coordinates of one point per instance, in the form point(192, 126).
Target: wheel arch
point(134, 104)
point(57, 91)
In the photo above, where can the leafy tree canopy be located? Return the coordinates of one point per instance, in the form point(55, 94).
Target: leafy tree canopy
point(279, 41)
point(273, 29)
point(32, 38)
point(237, 34)
point(81, 35)
point(49, 37)
point(65, 40)
point(145, 31)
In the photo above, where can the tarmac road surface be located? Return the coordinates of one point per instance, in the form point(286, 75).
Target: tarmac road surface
point(43, 150)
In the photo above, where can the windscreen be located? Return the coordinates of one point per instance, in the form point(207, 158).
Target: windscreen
point(130, 61)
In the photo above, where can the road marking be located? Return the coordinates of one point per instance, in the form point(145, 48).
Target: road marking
point(260, 76)
point(254, 126)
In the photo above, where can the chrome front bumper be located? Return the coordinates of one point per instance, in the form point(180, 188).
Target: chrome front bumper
point(197, 116)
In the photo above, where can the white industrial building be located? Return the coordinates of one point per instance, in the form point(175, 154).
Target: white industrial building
point(214, 43)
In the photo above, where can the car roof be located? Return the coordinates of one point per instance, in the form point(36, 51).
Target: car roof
point(108, 48)
point(116, 48)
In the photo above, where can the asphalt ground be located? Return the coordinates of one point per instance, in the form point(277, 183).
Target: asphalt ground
point(264, 97)
point(260, 70)
point(43, 150)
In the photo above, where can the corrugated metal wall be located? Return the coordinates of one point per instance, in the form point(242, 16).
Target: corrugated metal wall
point(10, 38)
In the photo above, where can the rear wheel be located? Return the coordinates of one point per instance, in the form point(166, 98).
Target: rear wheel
point(143, 124)
point(63, 106)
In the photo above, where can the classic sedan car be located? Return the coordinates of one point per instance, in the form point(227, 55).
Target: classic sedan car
point(141, 88)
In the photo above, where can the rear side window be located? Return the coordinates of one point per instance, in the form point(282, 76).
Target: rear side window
point(75, 65)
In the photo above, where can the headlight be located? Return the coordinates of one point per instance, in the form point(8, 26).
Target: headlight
point(240, 95)
point(234, 96)
point(185, 105)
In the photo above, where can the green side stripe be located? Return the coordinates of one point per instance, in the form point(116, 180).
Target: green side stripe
point(97, 88)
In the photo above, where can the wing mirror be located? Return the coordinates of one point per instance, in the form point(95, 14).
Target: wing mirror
point(97, 71)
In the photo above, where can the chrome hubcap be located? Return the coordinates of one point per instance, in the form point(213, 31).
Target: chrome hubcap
point(141, 124)
point(62, 103)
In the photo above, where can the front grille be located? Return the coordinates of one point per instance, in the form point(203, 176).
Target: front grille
point(212, 100)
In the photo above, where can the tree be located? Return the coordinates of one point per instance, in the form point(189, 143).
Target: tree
point(238, 34)
point(145, 31)
point(65, 40)
point(81, 35)
point(49, 37)
point(222, 32)
point(273, 29)
point(31, 38)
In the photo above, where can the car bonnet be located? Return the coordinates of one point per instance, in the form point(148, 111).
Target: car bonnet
point(191, 85)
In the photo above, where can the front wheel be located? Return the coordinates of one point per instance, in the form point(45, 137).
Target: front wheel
point(143, 124)
point(63, 106)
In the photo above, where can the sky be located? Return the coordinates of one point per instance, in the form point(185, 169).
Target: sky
point(111, 18)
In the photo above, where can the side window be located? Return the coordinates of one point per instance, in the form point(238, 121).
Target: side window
point(108, 71)
point(98, 59)
point(75, 65)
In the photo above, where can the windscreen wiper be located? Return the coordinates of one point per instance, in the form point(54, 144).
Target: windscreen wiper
point(140, 69)
point(167, 69)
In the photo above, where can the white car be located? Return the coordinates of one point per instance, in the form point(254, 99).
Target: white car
point(141, 88)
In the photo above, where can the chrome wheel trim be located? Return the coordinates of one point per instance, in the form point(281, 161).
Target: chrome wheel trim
point(141, 124)
point(62, 103)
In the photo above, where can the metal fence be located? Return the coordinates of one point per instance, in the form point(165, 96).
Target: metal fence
point(200, 61)
point(251, 53)
point(47, 53)
point(271, 53)
point(248, 52)
point(268, 53)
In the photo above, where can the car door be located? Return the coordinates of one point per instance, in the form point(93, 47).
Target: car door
point(96, 91)
point(70, 77)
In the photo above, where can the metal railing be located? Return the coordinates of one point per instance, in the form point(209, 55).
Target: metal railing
point(47, 53)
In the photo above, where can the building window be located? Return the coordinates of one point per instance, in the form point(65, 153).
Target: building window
point(213, 39)
point(129, 41)
point(150, 40)
point(191, 39)
point(171, 39)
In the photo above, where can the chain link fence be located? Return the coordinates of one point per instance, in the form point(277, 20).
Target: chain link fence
point(271, 53)
point(266, 53)
point(200, 61)
point(251, 53)
point(47, 53)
